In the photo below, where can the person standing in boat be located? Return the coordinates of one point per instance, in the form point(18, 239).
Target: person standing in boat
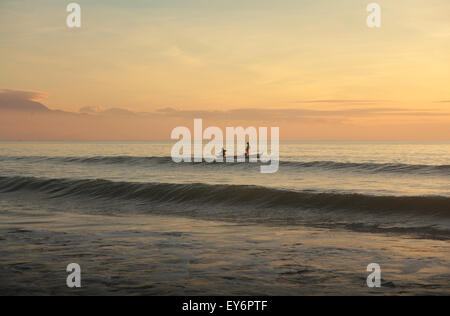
point(247, 150)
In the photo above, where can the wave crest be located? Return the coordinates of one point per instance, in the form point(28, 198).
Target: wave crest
point(255, 197)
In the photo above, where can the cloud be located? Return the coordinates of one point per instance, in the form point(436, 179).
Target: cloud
point(294, 114)
point(166, 110)
point(26, 101)
point(23, 94)
point(340, 101)
point(21, 117)
point(21, 100)
point(92, 109)
point(100, 110)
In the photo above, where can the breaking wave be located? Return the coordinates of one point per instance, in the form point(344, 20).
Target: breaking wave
point(255, 197)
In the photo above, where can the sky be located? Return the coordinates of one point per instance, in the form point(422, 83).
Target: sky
point(136, 69)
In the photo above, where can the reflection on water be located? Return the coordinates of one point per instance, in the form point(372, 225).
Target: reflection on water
point(155, 255)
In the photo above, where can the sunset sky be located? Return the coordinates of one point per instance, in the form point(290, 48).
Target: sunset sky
point(312, 67)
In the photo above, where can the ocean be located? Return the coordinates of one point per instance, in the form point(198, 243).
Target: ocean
point(139, 224)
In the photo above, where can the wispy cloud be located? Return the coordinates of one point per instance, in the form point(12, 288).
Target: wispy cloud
point(333, 101)
point(100, 110)
point(294, 114)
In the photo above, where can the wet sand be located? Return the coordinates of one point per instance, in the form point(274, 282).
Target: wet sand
point(165, 255)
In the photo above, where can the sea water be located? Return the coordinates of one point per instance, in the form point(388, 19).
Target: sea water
point(138, 223)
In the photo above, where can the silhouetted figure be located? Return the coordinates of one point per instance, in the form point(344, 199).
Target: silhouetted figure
point(224, 153)
point(247, 150)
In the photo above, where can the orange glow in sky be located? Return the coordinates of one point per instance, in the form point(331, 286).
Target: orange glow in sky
point(136, 70)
